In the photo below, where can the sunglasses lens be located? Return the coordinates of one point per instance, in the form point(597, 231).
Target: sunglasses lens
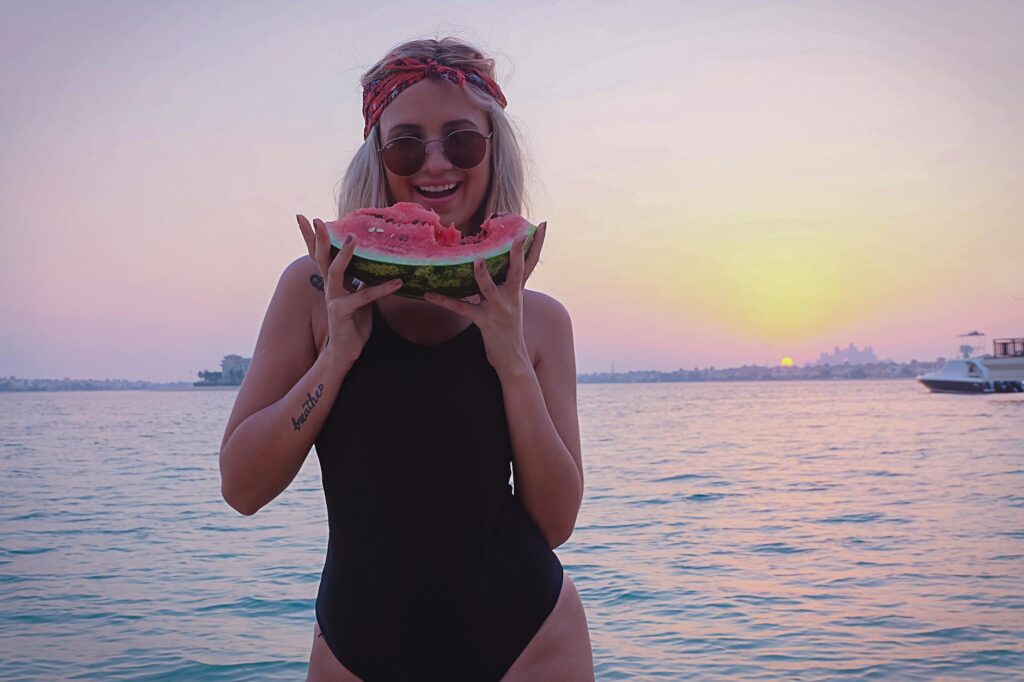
point(404, 156)
point(465, 148)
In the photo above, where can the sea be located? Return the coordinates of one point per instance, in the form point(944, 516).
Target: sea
point(729, 531)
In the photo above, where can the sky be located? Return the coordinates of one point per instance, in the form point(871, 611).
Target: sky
point(724, 183)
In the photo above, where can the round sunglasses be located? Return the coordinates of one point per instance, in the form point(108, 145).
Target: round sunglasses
point(464, 149)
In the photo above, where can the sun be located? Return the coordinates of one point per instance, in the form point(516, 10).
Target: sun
point(786, 361)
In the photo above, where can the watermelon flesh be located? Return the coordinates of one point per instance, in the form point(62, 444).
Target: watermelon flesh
point(408, 240)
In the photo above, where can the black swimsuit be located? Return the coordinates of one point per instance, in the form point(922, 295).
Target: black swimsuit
point(434, 570)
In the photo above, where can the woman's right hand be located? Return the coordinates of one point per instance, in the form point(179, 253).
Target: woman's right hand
point(348, 317)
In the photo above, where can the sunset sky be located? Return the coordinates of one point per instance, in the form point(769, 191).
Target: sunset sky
point(724, 183)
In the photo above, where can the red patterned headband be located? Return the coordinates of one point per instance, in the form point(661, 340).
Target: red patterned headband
point(401, 73)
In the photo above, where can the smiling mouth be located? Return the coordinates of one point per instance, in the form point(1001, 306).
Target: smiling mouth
point(438, 191)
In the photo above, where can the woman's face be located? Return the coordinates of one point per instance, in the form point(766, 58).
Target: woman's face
point(429, 110)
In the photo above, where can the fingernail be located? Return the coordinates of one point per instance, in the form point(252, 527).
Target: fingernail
point(297, 219)
point(397, 280)
point(349, 238)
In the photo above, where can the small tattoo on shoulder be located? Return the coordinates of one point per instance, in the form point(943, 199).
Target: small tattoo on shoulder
point(317, 281)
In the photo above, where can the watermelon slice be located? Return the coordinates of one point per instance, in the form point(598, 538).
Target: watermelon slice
point(407, 240)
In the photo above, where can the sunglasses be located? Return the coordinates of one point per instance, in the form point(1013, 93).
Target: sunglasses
point(464, 149)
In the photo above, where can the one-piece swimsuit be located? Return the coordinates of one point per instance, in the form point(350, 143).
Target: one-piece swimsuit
point(434, 570)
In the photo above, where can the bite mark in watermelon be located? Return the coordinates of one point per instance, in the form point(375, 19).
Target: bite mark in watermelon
point(407, 240)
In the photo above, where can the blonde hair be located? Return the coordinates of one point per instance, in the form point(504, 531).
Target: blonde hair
point(365, 183)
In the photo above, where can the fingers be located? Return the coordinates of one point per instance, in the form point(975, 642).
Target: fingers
point(534, 256)
point(515, 262)
point(334, 270)
point(488, 289)
point(461, 307)
point(367, 294)
point(321, 247)
point(308, 235)
point(311, 235)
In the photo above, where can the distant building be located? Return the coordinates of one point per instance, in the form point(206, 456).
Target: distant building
point(851, 355)
point(235, 367)
point(232, 371)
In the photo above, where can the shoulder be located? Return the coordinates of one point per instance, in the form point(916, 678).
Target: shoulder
point(302, 274)
point(545, 309)
point(547, 325)
point(299, 288)
point(302, 284)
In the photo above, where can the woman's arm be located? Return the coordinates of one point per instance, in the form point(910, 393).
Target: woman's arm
point(539, 395)
point(284, 399)
point(540, 405)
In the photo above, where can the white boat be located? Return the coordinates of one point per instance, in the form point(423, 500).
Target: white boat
point(1000, 372)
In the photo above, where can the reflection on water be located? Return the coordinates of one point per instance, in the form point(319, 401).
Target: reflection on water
point(730, 530)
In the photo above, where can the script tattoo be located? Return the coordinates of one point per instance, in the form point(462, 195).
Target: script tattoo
point(307, 407)
point(317, 281)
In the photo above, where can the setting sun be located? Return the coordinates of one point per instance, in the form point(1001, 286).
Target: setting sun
point(786, 361)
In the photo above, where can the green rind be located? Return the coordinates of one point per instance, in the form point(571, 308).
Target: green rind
point(455, 279)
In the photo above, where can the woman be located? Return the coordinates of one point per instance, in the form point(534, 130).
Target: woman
point(434, 569)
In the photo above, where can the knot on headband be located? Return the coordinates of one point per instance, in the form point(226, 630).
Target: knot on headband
point(399, 74)
point(436, 69)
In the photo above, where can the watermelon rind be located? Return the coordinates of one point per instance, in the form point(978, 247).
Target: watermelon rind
point(450, 276)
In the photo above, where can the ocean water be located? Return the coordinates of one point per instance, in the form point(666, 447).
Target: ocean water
point(769, 531)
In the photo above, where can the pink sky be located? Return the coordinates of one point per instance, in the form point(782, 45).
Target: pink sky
point(724, 183)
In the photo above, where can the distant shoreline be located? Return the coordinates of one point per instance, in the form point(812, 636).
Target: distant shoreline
point(871, 371)
point(14, 385)
point(207, 389)
point(743, 381)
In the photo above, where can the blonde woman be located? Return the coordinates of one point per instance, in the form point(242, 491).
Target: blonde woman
point(420, 410)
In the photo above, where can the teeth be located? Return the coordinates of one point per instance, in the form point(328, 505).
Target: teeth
point(438, 188)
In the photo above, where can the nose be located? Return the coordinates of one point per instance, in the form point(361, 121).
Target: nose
point(436, 160)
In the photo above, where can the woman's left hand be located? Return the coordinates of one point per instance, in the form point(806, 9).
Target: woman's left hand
point(499, 314)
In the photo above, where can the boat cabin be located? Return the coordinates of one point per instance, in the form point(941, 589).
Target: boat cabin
point(1008, 348)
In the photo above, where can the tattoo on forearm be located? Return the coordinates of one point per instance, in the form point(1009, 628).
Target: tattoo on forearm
point(311, 400)
point(317, 281)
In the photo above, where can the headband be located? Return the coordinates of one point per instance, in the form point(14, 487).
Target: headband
point(405, 71)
